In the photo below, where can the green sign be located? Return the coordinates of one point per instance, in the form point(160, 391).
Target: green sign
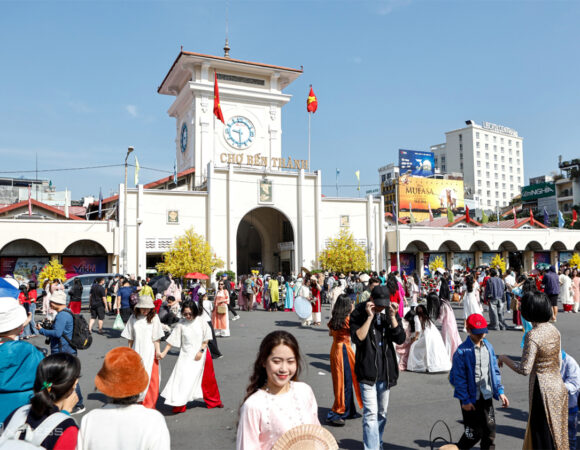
point(540, 190)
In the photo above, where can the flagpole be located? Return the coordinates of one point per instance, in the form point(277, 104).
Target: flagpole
point(337, 172)
point(309, 117)
point(397, 224)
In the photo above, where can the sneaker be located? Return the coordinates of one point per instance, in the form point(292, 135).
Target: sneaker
point(518, 327)
point(235, 318)
point(336, 422)
point(78, 409)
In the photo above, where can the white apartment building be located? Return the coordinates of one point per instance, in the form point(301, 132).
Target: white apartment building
point(491, 158)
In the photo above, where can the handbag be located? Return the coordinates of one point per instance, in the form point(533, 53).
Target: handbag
point(222, 309)
point(448, 444)
point(118, 325)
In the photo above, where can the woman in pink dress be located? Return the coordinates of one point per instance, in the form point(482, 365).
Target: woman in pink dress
point(440, 310)
point(275, 400)
point(221, 321)
point(576, 289)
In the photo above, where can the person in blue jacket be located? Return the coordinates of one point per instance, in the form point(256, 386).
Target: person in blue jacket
point(477, 381)
point(18, 359)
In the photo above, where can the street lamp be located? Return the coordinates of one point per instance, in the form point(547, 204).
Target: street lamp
point(129, 150)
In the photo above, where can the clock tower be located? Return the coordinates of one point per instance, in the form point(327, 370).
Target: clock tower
point(251, 100)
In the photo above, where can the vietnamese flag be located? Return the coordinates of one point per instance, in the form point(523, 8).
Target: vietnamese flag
point(574, 217)
point(311, 102)
point(217, 109)
point(467, 218)
point(531, 217)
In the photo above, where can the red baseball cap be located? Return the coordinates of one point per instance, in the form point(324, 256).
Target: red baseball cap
point(477, 324)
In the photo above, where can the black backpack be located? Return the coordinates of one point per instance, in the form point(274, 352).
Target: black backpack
point(81, 338)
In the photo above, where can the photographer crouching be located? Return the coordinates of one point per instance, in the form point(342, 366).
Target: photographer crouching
point(60, 333)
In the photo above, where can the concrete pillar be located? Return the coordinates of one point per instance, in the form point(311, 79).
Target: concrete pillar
point(382, 254)
point(317, 215)
point(528, 260)
point(449, 261)
point(121, 214)
point(369, 211)
point(477, 257)
point(554, 258)
point(420, 263)
point(232, 229)
point(299, 222)
point(506, 257)
point(141, 256)
point(210, 204)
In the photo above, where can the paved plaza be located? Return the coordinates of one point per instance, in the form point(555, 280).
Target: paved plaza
point(415, 403)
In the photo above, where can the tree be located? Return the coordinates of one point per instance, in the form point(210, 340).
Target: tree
point(342, 254)
point(189, 253)
point(498, 263)
point(52, 271)
point(437, 263)
point(575, 261)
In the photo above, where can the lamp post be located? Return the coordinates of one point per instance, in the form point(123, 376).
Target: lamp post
point(129, 150)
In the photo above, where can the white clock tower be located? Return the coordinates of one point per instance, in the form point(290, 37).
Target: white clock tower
point(251, 101)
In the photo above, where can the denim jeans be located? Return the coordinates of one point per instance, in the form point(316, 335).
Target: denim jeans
point(572, 424)
point(375, 403)
point(30, 329)
point(496, 319)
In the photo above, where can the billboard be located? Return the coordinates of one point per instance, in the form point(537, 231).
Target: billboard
point(418, 194)
point(416, 163)
point(540, 190)
point(83, 265)
point(22, 269)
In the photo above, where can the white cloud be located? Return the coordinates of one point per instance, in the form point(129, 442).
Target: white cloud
point(132, 110)
point(79, 107)
point(388, 6)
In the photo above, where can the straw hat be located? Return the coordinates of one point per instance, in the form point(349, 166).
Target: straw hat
point(59, 297)
point(122, 374)
point(12, 314)
point(306, 437)
point(364, 278)
point(145, 302)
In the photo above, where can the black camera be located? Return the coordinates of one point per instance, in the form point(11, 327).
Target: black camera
point(47, 324)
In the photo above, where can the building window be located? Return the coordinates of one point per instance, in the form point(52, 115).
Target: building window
point(494, 138)
point(479, 191)
point(460, 138)
point(460, 147)
point(517, 153)
point(518, 170)
point(512, 179)
point(502, 149)
point(518, 144)
point(496, 185)
point(510, 151)
point(512, 187)
point(489, 203)
point(503, 185)
point(487, 156)
point(477, 144)
point(502, 158)
point(518, 162)
point(443, 168)
point(489, 193)
point(479, 173)
point(442, 159)
point(501, 140)
point(503, 176)
point(510, 160)
point(509, 142)
point(487, 146)
point(478, 153)
point(486, 137)
point(495, 157)
point(479, 182)
point(511, 169)
point(496, 203)
point(495, 148)
point(487, 183)
point(495, 176)
point(477, 135)
point(478, 163)
point(495, 167)
point(487, 174)
point(487, 165)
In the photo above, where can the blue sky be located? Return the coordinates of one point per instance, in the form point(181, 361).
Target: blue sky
point(79, 79)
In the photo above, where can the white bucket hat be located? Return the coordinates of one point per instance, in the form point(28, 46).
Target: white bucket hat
point(12, 314)
point(58, 297)
point(145, 302)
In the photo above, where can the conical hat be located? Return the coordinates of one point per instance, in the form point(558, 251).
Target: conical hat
point(306, 437)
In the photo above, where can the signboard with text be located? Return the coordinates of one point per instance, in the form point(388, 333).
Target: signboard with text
point(418, 194)
point(540, 190)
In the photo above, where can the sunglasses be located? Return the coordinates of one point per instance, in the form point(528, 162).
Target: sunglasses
point(187, 314)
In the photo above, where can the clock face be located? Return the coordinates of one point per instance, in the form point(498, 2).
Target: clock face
point(239, 132)
point(183, 138)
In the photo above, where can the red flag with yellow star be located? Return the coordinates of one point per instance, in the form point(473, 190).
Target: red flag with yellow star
point(217, 109)
point(311, 102)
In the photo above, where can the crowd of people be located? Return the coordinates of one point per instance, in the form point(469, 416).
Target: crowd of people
point(381, 324)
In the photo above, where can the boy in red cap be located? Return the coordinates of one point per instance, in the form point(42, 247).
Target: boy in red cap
point(476, 378)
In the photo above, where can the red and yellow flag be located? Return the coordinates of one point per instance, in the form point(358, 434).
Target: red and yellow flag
point(217, 109)
point(311, 102)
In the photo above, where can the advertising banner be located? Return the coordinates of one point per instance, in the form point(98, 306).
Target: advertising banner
point(419, 193)
point(487, 257)
point(408, 263)
point(416, 163)
point(81, 265)
point(541, 258)
point(22, 269)
point(564, 257)
point(428, 258)
point(463, 261)
point(540, 190)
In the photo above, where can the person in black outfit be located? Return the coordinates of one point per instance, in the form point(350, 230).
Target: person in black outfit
point(97, 303)
point(375, 327)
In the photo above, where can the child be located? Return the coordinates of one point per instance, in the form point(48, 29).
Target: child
point(342, 365)
point(144, 331)
point(474, 357)
point(275, 400)
point(571, 377)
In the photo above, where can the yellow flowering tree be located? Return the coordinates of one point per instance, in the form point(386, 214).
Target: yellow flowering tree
point(342, 254)
point(52, 271)
point(437, 263)
point(575, 261)
point(189, 253)
point(498, 263)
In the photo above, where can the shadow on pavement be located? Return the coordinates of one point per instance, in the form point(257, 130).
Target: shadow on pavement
point(511, 431)
point(324, 356)
point(515, 414)
point(320, 365)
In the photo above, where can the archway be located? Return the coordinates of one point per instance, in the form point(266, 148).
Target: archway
point(449, 246)
point(23, 259)
point(479, 246)
point(265, 242)
point(417, 246)
point(23, 247)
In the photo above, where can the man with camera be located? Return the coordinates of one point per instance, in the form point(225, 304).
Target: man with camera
point(375, 327)
point(60, 333)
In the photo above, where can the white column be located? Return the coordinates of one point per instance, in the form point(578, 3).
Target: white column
point(232, 230)
point(121, 215)
point(299, 222)
point(140, 239)
point(317, 215)
point(369, 210)
point(383, 262)
point(210, 204)
point(205, 148)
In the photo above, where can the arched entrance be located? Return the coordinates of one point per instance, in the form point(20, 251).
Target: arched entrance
point(23, 259)
point(265, 242)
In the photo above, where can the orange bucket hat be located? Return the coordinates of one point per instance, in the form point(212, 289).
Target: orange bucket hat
point(122, 374)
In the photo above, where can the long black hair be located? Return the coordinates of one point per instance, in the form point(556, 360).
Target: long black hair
point(410, 317)
point(423, 316)
point(55, 379)
point(340, 312)
point(189, 304)
point(469, 283)
point(433, 305)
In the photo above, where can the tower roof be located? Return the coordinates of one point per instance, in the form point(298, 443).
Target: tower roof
point(179, 73)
